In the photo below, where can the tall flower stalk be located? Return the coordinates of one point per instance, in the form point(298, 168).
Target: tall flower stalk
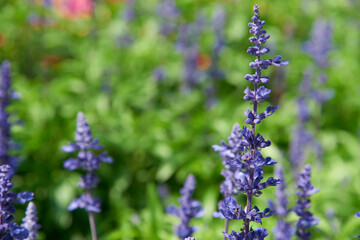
point(188, 45)
point(251, 161)
point(214, 72)
point(257, 95)
point(88, 161)
point(30, 221)
point(9, 230)
point(189, 209)
point(6, 94)
point(318, 47)
point(306, 219)
point(234, 149)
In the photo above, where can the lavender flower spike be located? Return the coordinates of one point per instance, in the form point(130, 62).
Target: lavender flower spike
point(88, 161)
point(30, 222)
point(9, 229)
point(188, 210)
point(250, 161)
point(306, 219)
point(6, 94)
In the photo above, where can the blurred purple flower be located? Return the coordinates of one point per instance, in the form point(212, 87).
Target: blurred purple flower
point(159, 73)
point(48, 3)
point(6, 94)
point(214, 72)
point(188, 209)
point(124, 40)
point(30, 221)
point(87, 160)
point(320, 43)
point(187, 45)
point(306, 219)
point(129, 11)
point(168, 13)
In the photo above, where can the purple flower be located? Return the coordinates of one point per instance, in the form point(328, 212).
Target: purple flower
point(218, 24)
point(320, 43)
point(30, 221)
point(257, 234)
point(232, 210)
point(306, 219)
point(168, 13)
point(124, 40)
point(188, 209)
point(357, 215)
point(6, 94)
point(159, 73)
point(229, 152)
point(87, 202)
point(85, 146)
point(129, 12)
point(237, 145)
point(187, 45)
point(303, 139)
point(9, 229)
point(247, 159)
point(318, 47)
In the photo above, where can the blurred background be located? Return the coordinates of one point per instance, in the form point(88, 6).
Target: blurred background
point(160, 82)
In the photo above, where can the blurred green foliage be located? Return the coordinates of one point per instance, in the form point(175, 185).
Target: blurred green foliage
point(157, 134)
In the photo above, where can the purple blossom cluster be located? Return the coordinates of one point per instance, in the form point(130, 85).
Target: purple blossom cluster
point(306, 219)
point(6, 94)
point(189, 209)
point(188, 45)
point(243, 152)
point(9, 230)
point(320, 43)
point(129, 11)
point(30, 221)
point(218, 24)
point(318, 47)
point(87, 160)
point(125, 39)
point(168, 13)
point(303, 139)
point(215, 72)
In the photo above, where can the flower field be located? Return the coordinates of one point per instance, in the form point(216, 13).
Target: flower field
point(167, 93)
